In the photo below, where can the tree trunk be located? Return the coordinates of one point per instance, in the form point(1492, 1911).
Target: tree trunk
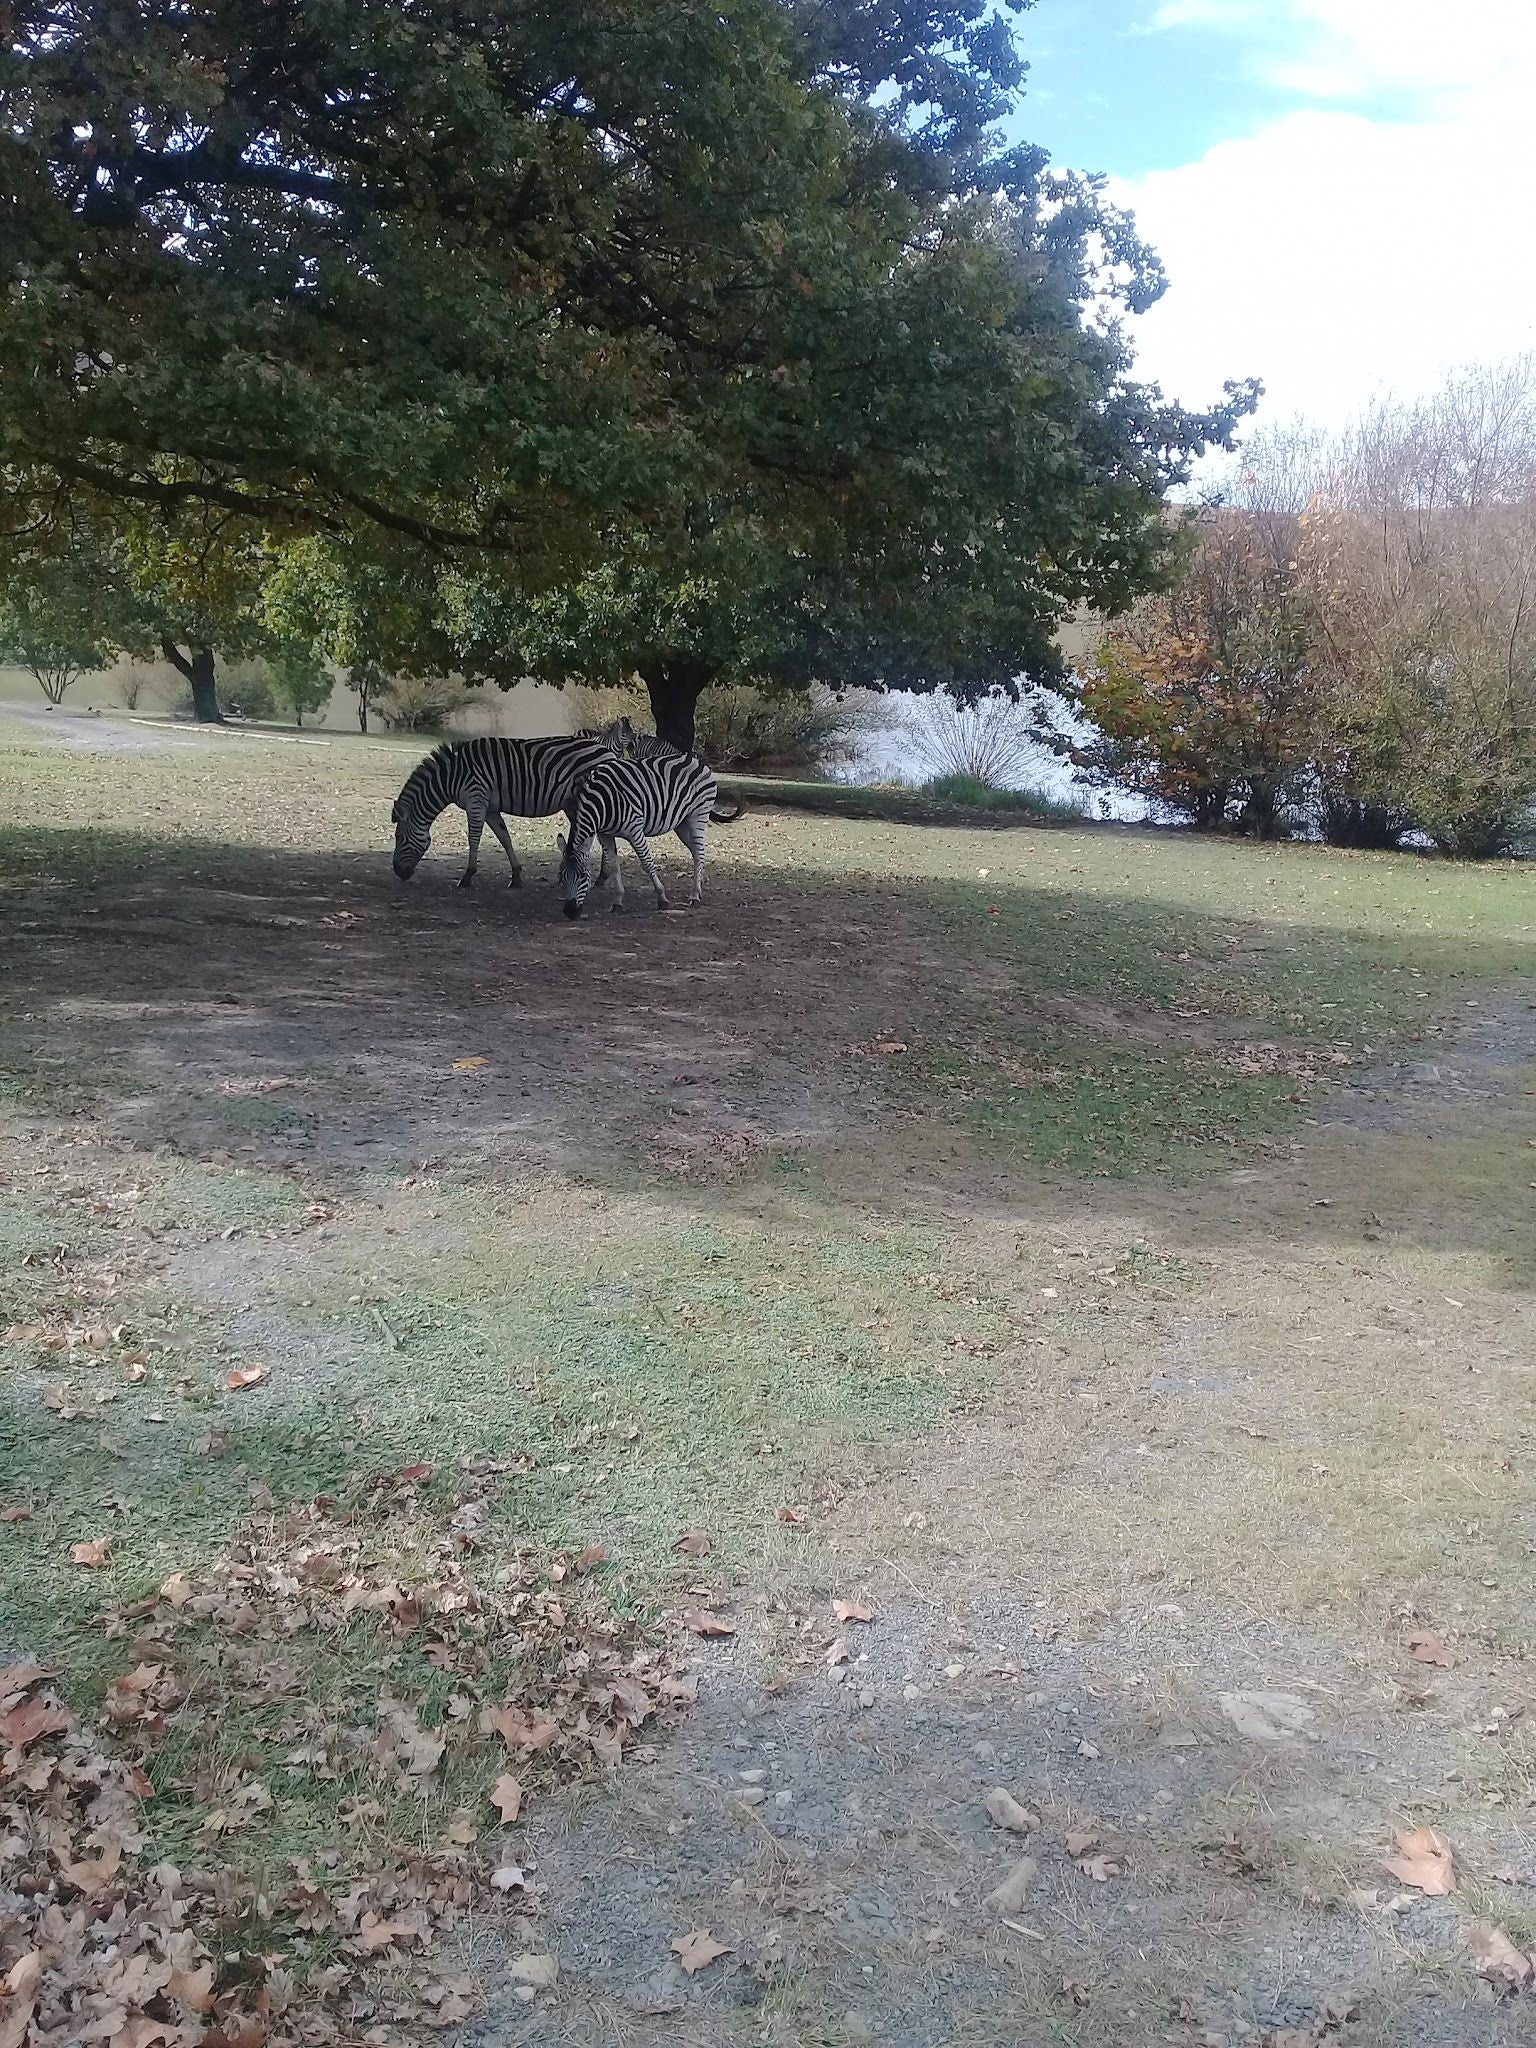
point(674, 687)
point(199, 673)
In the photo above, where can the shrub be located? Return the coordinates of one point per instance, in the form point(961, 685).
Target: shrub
point(989, 743)
point(420, 703)
point(966, 793)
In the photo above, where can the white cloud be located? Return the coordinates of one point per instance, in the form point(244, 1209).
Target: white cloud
point(1337, 255)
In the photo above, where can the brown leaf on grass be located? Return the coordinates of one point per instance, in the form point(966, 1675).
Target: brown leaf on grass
point(507, 1797)
point(15, 1514)
point(1424, 1647)
point(468, 1066)
point(192, 1985)
point(136, 1371)
point(521, 1729)
point(1006, 1812)
point(1505, 1966)
point(594, 1554)
point(19, 1678)
point(96, 1873)
point(1075, 1990)
point(93, 1553)
point(376, 1933)
point(795, 1518)
point(243, 1376)
point(1010, 1895)
point(852, 1610)
point(1424, 1861)
point(1080, 1842)
point(696, 1951)
point(23, 1333)
point(836, 1652)
point(213, 1445)
point(705, 1623)
point(694, 1544)
point(1101, 1868)
point(511, 1877)
point(32, 1720)
point(178, 1589)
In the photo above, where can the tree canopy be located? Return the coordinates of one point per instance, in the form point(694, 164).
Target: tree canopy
point(697, 342)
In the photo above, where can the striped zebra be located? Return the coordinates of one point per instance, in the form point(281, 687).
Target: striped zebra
point(630, 798)
point(487, 778)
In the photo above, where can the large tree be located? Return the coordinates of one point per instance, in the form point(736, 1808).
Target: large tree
point(949, 458)
point(484, 275)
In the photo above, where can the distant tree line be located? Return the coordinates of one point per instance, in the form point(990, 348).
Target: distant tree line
point(1350, 646)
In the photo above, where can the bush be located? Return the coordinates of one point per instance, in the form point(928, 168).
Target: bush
point(420, 703)
point(987, 745)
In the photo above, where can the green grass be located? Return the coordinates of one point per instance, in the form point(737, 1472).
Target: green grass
point(648, 1353)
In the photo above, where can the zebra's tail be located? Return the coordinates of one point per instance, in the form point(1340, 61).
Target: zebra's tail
point(719, 817)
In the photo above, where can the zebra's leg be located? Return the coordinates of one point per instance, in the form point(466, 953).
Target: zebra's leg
point(606, 865)
point(647, 860)
point(692, 833)
point(474, 813)
point(610, 866)
point(498, 825)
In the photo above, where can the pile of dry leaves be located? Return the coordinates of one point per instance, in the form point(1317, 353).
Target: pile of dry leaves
point(100, 1940)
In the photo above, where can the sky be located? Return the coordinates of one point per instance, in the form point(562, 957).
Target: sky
point(1343, 192)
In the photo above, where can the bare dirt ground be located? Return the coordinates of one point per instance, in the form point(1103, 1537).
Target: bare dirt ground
point(1232, 1427)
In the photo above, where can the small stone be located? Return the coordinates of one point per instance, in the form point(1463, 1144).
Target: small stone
point(857, 2028)
point(911, 1692)
point(954, 1670)
point(836, 1675)
point(866, 1698)
point(783, 1798)
point(752, 1777)
point(752, 1795)
point(525, 1992)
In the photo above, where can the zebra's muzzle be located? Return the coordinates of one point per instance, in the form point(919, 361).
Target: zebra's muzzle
point(572, 910)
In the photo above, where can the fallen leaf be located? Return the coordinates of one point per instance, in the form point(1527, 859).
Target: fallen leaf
point(1265, 1716)
point(1089, 1750)
point(98, 1872)
point(1504, 1965)
point(521, 1729)
point(696, 1951)
point(507, 1797)
point(1006, 1811)
point(1424, 1647)
point(1075, 1989)
point(542, 1972)
point(509, 1878)
point(852, 1610)
point(15, 1514)
point(704, 1623)
point(694, 1544)
point(244, 1376)
point(594, 1554)
point(374, 1933)
point(1423, 1860)
point(1101, 1868)
point(836, 1652)
point(468, 1066)
point(29, 1722)
point(794, 1517)
point(1080, 1842)
point(136, 1371)
point(178, 1589)
point(93, 1553)
point(1012, 1892)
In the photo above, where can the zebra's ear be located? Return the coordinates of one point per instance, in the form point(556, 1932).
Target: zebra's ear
point(560, 842)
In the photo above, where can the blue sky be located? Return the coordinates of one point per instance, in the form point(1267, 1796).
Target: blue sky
point(1341, 190)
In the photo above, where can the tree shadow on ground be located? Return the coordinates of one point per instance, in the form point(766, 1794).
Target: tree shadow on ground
point(909, 1043)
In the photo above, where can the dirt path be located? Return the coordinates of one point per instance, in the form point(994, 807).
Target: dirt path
point(1242, 1772)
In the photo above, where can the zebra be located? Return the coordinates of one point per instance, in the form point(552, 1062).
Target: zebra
point(662, 791)
point(487, 777)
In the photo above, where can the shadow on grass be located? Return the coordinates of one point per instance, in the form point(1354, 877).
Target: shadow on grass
point(308, 1012)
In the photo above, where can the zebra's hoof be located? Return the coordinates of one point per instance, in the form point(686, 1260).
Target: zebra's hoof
point(465, 881)
point(515, 882)
point(615, 908)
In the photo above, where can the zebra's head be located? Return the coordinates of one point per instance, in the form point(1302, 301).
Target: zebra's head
point(416, 809)
point(575, 874)
point(413, 835)
point(618, 735)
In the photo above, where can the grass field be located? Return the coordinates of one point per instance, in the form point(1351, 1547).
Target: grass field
point(1106, 1255)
